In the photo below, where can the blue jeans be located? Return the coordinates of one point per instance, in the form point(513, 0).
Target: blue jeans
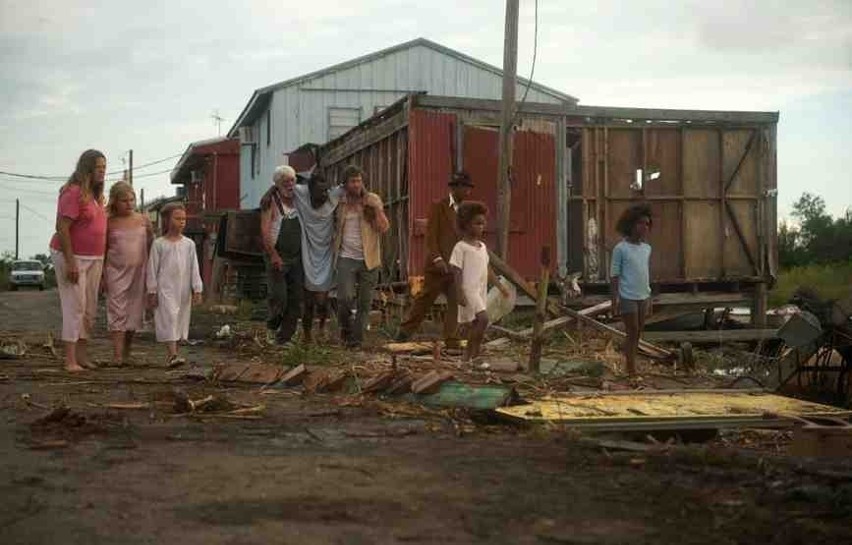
point(355, 284)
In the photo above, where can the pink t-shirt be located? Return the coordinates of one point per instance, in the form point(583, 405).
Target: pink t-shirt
point(88, 230)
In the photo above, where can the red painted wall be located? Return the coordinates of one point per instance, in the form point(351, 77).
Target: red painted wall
point(533, 209)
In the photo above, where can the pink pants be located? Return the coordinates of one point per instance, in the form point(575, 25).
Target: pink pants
point(80, 300)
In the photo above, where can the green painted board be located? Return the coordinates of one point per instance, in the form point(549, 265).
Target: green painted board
point(458, 394)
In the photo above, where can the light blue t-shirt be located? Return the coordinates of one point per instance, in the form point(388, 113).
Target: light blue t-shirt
point(630, 264)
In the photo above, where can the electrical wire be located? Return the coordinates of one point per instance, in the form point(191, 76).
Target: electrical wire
point(64, 178)
point(532, 68)
point(38, 214)
point(145, 165)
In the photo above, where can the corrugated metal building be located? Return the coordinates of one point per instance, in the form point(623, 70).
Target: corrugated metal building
point(322, 105)
point(575, 169)
point(208, 177)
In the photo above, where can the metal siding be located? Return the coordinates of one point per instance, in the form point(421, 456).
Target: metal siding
point(429, 170)
point(299, 117)
point(533, 212)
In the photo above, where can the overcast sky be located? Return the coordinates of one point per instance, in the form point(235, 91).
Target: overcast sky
point(122, 74)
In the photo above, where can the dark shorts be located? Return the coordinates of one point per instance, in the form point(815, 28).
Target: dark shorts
point(633, 306)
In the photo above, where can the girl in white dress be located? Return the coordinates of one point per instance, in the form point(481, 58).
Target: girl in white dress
point(472, 274)
point(173, 283)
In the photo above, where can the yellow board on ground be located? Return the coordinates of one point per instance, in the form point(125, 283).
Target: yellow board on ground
point(671, 410)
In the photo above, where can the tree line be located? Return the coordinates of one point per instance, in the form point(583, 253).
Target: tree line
point(817, 238)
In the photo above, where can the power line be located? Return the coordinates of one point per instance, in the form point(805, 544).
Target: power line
point(54, 193)
point(144, 175)
point(64, 178)
point(39, 214)
point(532, 68)
point(157, 162)
point(33, 176)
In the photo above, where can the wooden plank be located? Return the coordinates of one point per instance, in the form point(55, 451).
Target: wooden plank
point(506, 270)
point(437, 101)
point(710, 299)
point(525, 334)
point(742, 237)
point(711, 337)
point(362, 139)
point(645, 347)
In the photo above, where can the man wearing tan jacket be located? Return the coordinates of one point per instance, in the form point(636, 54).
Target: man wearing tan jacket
point(361, 222)
point(441, 237)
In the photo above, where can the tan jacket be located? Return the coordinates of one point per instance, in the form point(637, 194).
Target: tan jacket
point(371, 238)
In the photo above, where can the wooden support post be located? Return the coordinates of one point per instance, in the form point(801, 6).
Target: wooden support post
point(507, 113)
point(758, 309)
point(503, 268)
point(540, 312)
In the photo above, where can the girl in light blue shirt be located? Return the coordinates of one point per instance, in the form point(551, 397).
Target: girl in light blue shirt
point(630, 277)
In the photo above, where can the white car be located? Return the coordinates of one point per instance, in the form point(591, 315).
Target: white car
point(26, 273)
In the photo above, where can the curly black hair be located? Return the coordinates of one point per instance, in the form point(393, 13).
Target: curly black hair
point(630, 216)
point(467, 211)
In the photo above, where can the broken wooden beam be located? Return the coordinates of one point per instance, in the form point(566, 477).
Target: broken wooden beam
point(525, 334)
point(430, 382)
point(646, 348)
point(713, 336)
point(515, 277)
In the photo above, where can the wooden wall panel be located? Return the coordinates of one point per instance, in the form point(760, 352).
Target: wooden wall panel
point(701, 168)
point(665, 239)
point(702, 252)
point(663, 152)
point(734, 144)
point(624, 148)
point(736, 260)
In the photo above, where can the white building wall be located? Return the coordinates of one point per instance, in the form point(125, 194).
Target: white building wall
point(300, 112)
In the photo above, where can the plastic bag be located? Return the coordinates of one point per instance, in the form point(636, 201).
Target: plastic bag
point(498, 306)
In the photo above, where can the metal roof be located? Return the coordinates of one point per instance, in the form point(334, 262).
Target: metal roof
point(260, 97)
point(190, 150)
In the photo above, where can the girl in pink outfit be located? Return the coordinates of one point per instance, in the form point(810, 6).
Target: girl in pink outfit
point(129, 236)
point(77, 249)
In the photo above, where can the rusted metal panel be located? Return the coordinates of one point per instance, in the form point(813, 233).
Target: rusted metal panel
point(430, 165)
point(532, 222)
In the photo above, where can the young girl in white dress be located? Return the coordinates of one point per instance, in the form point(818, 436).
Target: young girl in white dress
point(173, 282)
point(472, 274)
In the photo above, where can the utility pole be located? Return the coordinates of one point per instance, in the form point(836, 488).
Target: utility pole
point(17, 226)
point(142, 198)
point(504, 168)
point(130, 169)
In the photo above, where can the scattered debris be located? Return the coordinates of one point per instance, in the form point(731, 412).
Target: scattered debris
point(458, 394)
point(256, 373)
point(554, 368)
point(224, 309)
point(12, 349)
point(294, 376)
point(669, 409)
point(430, 382)
point(224, 332)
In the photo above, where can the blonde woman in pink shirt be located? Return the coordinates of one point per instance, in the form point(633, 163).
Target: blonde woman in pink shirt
point(77, 249)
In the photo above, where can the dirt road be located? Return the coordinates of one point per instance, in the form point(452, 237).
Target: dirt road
point(310, 470)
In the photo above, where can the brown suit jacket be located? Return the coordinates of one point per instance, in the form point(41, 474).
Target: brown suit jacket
point(441, 233)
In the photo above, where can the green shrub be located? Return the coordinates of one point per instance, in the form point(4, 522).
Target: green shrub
point(831, 281)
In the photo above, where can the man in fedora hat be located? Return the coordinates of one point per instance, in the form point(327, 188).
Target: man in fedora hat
point(441, 236)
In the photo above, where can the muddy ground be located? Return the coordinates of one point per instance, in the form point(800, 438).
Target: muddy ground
point(313, 469)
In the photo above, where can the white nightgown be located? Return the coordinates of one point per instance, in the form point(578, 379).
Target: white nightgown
point(473, 262)
point(173, 275)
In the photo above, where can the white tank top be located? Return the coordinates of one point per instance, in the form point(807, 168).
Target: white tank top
point(352, 247)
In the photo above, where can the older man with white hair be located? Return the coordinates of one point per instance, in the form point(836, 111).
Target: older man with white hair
point(281, 233)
